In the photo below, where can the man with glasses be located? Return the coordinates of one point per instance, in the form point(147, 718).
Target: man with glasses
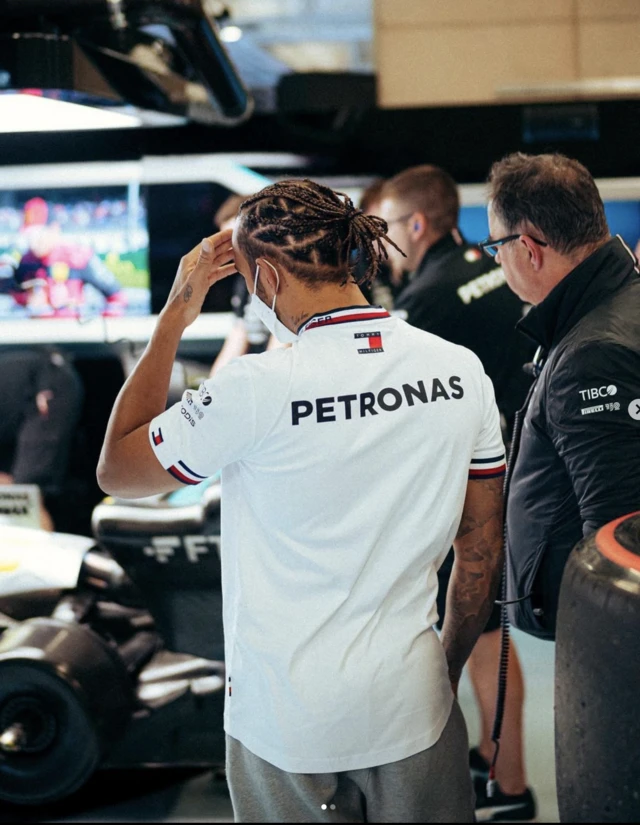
point(458, 293)
point(454, 291)
point(577, 462)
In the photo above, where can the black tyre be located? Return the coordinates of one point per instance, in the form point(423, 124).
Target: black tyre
point(61, 747)
point(65, 697)
point(598, 677)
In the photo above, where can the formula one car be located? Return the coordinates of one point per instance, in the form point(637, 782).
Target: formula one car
point(111, 648)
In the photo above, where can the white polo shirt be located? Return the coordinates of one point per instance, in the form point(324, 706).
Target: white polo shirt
point(345, 461)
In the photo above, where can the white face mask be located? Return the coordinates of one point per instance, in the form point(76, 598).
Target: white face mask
point(268, 314)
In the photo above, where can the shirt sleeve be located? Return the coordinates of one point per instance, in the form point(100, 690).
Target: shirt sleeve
point(594, 417)
point(488, 460)
point(209, 428)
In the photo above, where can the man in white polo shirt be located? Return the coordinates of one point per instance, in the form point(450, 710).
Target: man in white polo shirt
point(351, 461)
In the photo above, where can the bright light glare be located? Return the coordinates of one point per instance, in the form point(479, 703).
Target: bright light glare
point(29, 113)
point(231, 34)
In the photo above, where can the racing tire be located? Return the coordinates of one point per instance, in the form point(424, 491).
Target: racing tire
point(68, 750)
point(597, 714)
point(65, 698)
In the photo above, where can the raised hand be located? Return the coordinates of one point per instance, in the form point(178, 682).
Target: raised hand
point(208, 262)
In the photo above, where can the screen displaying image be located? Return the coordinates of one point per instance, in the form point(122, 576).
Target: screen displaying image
point(74, 253)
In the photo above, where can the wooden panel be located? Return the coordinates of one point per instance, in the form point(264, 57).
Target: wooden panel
point(437, 66)
point(609, 49)
point(607, 9)
point(400, 13)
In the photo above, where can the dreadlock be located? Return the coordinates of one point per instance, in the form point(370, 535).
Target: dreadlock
point(320, 232)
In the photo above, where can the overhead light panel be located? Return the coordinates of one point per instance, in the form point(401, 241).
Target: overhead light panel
point(33, 113)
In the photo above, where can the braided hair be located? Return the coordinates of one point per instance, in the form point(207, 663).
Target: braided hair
point(319, 232)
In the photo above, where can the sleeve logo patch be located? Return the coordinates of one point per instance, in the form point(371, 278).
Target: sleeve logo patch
point(634, 409)
point(205, 398)
point(157, 436)
point(373, 340)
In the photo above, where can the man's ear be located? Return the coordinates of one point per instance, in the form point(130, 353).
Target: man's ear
point(534, 250)
point(418, 225)
point(269, 275)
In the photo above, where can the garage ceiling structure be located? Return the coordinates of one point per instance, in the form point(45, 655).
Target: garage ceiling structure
point(308, 35)
point(188, 58)
point(308, 76)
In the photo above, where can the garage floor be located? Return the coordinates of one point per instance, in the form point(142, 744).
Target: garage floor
point(198, 796)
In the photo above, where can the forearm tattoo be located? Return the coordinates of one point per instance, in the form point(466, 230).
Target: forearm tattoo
point(188, 293)
point(476, 575)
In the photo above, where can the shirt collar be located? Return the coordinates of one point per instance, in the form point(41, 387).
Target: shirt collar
point(343, 315)
point(600, 275)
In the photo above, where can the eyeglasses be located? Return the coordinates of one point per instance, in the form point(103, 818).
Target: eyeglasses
point(493, 247)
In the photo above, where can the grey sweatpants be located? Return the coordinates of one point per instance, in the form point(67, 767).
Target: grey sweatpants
point(431, 786)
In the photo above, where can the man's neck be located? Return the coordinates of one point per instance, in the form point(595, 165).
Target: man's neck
point(424, 245)
point(561, 266)
point(306, 303)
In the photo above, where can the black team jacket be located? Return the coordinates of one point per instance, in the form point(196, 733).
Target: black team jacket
point(461, 294)
point(575, 462)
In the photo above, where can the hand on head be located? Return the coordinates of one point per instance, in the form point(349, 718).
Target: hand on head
point(206, 264)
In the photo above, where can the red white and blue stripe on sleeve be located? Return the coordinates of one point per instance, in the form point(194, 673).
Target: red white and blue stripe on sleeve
point(490, 467)
point(179, 469)
point(184, 473)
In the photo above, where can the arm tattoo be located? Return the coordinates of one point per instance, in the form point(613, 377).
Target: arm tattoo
point(493, 494)
point(476, 573)
point(188, 293)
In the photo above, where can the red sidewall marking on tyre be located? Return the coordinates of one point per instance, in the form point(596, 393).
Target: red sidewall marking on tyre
point(608, 545)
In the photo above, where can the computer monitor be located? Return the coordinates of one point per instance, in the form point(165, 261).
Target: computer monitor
point(74, 252)
point(89, 251)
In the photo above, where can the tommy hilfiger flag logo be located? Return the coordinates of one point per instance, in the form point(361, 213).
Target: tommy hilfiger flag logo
point(373, 342)
point(157, 437)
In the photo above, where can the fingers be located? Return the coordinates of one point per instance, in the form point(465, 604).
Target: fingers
point(221, 272)
point(218, 240)
point(223, 255)
point(220, 237)
point(218, 260)
point(215, 250)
